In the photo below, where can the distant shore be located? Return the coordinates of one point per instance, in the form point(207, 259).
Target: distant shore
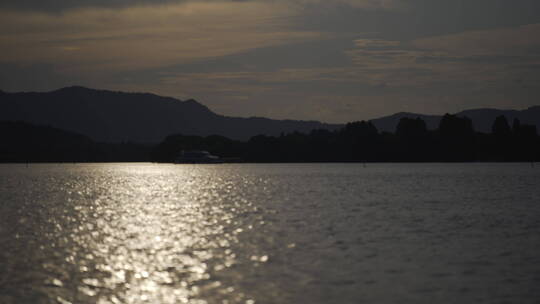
point(359, 142)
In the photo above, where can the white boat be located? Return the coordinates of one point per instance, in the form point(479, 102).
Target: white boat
point(197, 157)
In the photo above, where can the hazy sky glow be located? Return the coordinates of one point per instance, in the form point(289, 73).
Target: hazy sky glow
point(334, 60)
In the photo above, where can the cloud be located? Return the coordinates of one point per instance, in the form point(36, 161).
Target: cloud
point(433, 75)
point(62, 5)
point(375, 43)
point(144, 36)
point(334, 60)
point(59, 5)
point(521, 40)
point(362, 4)
point(477, 56)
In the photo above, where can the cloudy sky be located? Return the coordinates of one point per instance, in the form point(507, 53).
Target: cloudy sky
point(328, 60)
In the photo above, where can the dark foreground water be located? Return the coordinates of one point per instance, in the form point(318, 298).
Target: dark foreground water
point(309, 233)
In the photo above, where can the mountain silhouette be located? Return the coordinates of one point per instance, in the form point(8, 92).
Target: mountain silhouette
point(482, 118)
point(108, 116)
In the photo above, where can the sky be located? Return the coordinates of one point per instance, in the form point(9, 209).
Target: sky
point(328, 60)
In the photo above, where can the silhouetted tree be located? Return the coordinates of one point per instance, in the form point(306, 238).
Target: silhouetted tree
point(411, 128)
point(413, 140)
point(358, 141)
point(452, 126)
point(502, 136)
point(516, 125)
point(360, 129)
point(500, 127)
point(262, 148)
point(525, 142)
point(457, 138)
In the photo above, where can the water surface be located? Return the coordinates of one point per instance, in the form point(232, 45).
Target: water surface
point(282, 233)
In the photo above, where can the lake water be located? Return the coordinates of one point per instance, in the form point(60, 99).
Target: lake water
point(277, 233)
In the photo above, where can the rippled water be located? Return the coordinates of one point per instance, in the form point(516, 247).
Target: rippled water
point(244, 233)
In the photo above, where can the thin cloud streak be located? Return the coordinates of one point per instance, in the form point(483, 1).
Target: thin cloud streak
point(418, 63)
point(144, 37)
point(63, 5)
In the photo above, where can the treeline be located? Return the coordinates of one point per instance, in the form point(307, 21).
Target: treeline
point(24, 142)
point(454, 141)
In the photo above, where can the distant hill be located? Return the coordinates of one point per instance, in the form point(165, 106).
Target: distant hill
point(482, 118)
point(107, 116)
point(26, 142)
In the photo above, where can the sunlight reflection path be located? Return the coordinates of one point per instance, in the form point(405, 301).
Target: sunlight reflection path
point(156, 236)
